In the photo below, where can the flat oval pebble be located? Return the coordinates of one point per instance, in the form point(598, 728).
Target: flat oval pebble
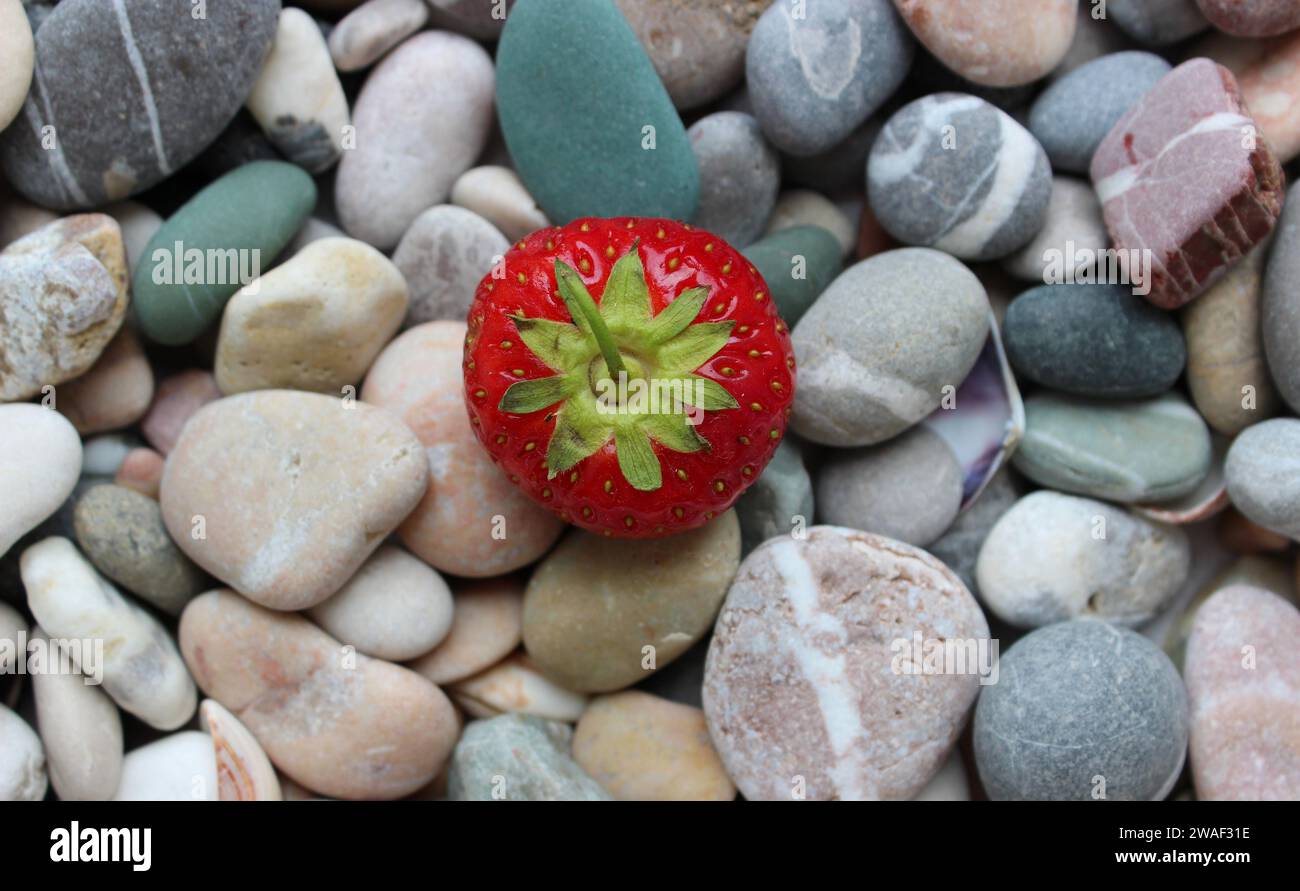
point(363, 36)
point(1082, 710)
point(804, 693)
point(1243, 681)
point(1072, 238)
point(297, 99)
point(40, 463)
point(955, 173)
point(1263, 471)
point(283, 494)
point(779, 501)
point(1093, 340)
point(879, 346)
point(179, 767)
point(813, 77)
point(1254, 570)
point(81, 731)
point(1251, 18)
point(486, 625)
point(798, 264)
point(22, 760)
point(1280, 310)
point(339, 722)
point(140, 666)
point(146, 116)
point(19, 52)
point(394, 607)
point(114, 393)
point(315, 322)
point(1054, 557)
point(175, 401)
point(1072, 116)
point(580, 104)
point(1157, 22)
point(395, 172)
point(516, 685)
point(443, 257)
point(63, 297)
point(804, 207)
point(996, 43)
point(909, 488)
point(518, 758)
point(122, 534)
point(644, 748)
point(739, 176)
point(455, 527)
point(498, 196)
point(237, 226)
point(601, 614)
point(1152, 450)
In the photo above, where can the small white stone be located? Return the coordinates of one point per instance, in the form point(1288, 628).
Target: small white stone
point(40, 461)
point(22, 760)
point(180, 767)
point(499, 196)
point(515, 685)
point(372, 29)
point(802, 207)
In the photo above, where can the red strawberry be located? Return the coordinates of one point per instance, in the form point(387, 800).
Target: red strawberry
point(685, 316)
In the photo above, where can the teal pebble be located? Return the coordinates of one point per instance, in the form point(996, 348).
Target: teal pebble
point(256, 207)
point(772, 506)
point(797, 264)
point(579, 103)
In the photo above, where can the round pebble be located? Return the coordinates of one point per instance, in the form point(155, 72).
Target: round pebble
point(1157, 22)
point(443, 257)
point(798, 263)
point(18, 51)
point(179, 767)
point(141, 471)
point(1263, 471)
point(365, 34)
point(516, 685)
point(1072, 238)
point(176, 400)
point(739, 176)
point(40, 462)
point(1251, 18)
point(114, 393)
point(498, 195)
point(797, 208)
point(486, 625)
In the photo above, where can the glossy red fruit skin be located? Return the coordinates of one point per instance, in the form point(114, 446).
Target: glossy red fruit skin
point(594, 495)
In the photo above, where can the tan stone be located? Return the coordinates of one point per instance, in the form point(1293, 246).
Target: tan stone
point(176, 399)
point(1268, 74)
point(114, 393)
point(486, 625)
point(644, 748)
point(19, 53)
point(141, 470)
point(516, 685)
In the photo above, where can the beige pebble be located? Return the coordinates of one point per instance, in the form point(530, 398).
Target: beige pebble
point(516, 685)
point(179, 767)
point(486, 625)
point(363, 36)
point(22, 760)
point(500, 197)
point(138, 223)
point(176, 399)
point(244, 773)
point(18, 51)
point(802, 207)
point(40, 463)
point(644, 748)
point(141, 470)
point(336, 721)
point(114, 393)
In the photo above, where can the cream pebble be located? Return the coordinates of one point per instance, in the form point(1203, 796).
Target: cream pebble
point(486, 625)
point(516, 685)
point(499, 196)
point(22, 760)
point(180, 767)
point(40, 462)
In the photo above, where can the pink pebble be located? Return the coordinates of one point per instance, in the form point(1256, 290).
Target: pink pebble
point(141, 470)
point(178, 397)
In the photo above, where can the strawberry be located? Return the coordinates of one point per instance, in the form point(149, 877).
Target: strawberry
point(674, 313)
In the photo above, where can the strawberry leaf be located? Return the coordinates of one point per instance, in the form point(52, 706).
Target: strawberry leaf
point(711, 395)
point(560, 345)
point(636, 458)
point(580, 431)
point(625, 305)
point(529, 396)
point(696, 345)
point(677, 315)
point(674, 433)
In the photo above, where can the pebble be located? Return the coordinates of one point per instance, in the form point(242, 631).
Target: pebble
point(63, 297)
point(580, 104)
point(40, 463)
point(804, 207)
point(739, 176)
point(1054, 557)
point(122, 533)
point(1227, 373)
point(1251, 18)
point(103, 455)
point(297, 99)
point(394, 607)
point(1240, 536)
point(879, 346)
point(141, 669)
point(443, 257)
point(1094, 340)
point(779, 502)
point(814, 77)
point(395, 173)
point(315, 322)
point(1268, 74)
point(117, 139)
point(797, 263)
point(254, 210)
point(1254, 570)
point(366, 33)
point(1280, 310)
point(244, 773)
point(498, 195)
point(959, 547)
point(12, 625)
point(179, 767)
point(1192, 207)
point(283, 495)
point(472, 17)
point(802, 682)
point(1073, 115)
point(336, 721)
point(1074, 230)
point(114, 393)
point(19, 53)
point(1083, 710)
point(516, 685)
point(454, 527)
point(1263, 471)
point(644, 748)
point(141, 471)
point(1243, 682)
point(1151, 450)
point(1157, 22)
point(22, 760)
point(176, 400)
point(81, 731)
point(995, 43)
point(952, 172)
point(139, 224)
point(601, 614)
point(909, 488)
point(486, 625)
point(518, 758)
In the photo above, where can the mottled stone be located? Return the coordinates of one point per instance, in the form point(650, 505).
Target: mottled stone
point(498, 195)
point(40, 462)
point(780, 501)
point(283, 495)
point(1280, 310)
point(486, 625)
point(518, 758)
point(114, 393)
point(1072, 237)
point(1157, 22)
point(1152, 450)
point(1263, 471)
point(952, 172)
point(804, 693)
point(443, 257)
point(879, 346)
point(798, 264)
point(739, 176)
point(515, 684)
point(1083, 709)
point(19, 53)
point(365, 34)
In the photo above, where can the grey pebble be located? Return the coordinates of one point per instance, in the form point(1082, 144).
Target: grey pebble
point(518, 758)
point(773, 504)
point(959, 547)
point(739, 176)
point(443, 256)
point(1263, 473)
point(1281, 303)
point(1157, 22)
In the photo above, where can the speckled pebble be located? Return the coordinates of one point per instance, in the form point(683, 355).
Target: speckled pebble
point(739, 176)
point(518, 758)
point(1263, 471)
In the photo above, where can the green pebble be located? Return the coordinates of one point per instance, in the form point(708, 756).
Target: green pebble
point(256, 207)
point(796, 285)
point(576, 94)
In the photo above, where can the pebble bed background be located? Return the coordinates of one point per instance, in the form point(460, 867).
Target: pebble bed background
point(268, 502)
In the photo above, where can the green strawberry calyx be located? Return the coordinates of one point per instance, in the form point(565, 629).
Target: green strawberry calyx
point(621, 372)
